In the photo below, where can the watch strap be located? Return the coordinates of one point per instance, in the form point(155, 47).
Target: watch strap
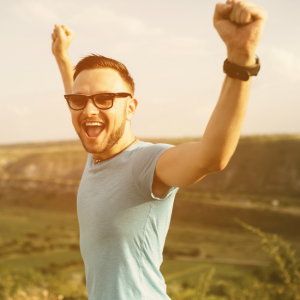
point(241, 73)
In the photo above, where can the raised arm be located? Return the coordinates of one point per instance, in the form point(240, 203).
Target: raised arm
point(62, 37)
point(240, 25)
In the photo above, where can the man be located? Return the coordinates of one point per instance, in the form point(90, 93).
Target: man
point(128, 187)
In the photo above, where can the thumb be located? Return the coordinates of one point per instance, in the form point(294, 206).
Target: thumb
point(221, 11)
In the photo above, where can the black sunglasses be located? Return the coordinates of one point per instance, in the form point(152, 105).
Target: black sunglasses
point(101, 100)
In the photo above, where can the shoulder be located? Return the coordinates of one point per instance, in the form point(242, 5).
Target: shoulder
point(145, 155)
point(148, 148)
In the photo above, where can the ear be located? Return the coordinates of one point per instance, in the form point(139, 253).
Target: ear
point(131, 108)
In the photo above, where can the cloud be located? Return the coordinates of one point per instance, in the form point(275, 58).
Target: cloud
point(129, 32)
point(179, 45)
point(286, 59)
point(20, 111)
point(33, 10)
point(107, 21)
point(168, 45)
point(282, 62)
point(93, 15)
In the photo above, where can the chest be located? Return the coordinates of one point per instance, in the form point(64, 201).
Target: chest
point(110, 207)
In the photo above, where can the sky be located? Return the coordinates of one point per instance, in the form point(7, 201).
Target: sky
point(172, 51)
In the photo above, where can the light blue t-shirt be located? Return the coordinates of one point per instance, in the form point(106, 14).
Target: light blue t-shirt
point(123, 226)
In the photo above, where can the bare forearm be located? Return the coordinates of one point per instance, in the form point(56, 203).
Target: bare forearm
point(62, 37)
point(224, 128)
point(66, 70)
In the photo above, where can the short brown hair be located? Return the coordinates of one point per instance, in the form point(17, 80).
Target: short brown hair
point(94, 61)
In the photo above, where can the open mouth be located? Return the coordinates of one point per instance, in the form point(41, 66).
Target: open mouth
point(93, 129)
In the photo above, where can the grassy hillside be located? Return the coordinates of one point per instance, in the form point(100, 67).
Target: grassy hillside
point(262, 165)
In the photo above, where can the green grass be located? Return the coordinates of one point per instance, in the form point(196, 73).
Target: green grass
point(61, 230)
point(209, 228)
point(16, 222)
point(188, 272)
point(194, 225)
point(42, 260)
point(218, 244)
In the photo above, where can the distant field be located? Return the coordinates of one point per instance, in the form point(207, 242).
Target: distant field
point(58, 234)
point(47, 237)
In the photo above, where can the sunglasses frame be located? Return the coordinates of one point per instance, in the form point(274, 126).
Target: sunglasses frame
point(92, 97)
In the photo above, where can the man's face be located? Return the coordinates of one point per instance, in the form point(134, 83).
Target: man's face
point(98, 139)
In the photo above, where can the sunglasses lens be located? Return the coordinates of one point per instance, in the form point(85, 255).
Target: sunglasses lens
point(104, 101)
point(77, 101)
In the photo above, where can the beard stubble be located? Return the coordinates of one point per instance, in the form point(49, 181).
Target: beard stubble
point(113, 138)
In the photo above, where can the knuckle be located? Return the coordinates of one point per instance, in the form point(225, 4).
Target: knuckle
point(239, 5)
point(245, 11)
point(217, 7)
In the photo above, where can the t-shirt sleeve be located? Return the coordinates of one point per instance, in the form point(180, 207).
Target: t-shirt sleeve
point(143, 167)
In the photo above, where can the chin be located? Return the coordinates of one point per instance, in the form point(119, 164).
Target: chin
point(93, 146)
point(97, 146)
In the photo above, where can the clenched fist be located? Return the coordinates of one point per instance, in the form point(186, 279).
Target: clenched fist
point(240, 24)
point(62, 37)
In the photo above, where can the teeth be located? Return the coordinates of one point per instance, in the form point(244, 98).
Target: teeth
point(94, 124)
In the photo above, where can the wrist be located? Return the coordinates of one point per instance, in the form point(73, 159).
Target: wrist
point(61, 56)
point(242, 59)
point(241, 72)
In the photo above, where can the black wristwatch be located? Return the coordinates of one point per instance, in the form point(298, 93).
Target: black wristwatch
point(241, 73)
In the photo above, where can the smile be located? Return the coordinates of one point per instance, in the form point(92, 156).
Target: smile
point(92, 129)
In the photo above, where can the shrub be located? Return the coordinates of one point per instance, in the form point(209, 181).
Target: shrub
point(285, 269)
point(281, 283)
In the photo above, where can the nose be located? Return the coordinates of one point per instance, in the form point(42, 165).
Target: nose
point(90, 109)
